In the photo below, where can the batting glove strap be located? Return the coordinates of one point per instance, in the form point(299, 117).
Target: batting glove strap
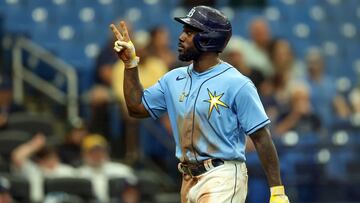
point(277, 190)
point(133, 59)
point(278, 195)
point(133, 63)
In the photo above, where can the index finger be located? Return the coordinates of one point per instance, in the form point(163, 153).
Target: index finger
point(116, 32)
point(125, 32)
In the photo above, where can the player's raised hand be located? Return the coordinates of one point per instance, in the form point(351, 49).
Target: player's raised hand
point(123, 45)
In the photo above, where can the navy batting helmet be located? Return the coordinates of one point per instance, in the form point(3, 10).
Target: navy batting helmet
point(215, 28)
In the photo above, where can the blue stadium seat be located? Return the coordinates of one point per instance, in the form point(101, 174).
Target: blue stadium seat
point(294, 156)
point(154, 132)
point(154, 10)
point(336, 167)
point(333, 64)
point(51, 36)
point(300, 46)
point(129, 4)
point(343, 11)
point(242, 20)
point(170, 4)
point(67, 15)
point(17, 17)
point(328, 31)
point(105, 12)
point(74, 54)
point(6, 6)
point(352, 50)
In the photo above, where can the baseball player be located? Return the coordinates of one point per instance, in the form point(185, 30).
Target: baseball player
point(212, 108)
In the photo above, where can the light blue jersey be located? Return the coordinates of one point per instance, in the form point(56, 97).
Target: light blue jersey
point(210, 112)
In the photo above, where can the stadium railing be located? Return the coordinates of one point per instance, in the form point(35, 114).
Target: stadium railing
point(68, 98)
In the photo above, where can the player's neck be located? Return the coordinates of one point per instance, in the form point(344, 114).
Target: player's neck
point(205, 61)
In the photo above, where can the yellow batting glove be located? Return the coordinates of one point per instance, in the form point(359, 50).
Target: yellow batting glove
point(278, 195)
point(129, 56)
point(123, 45)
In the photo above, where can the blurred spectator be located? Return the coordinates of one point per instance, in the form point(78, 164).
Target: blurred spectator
point(256, 54)
point(159, 46)
point(98, 168)
point(70, 150)
point(327, 103)
point(266, 92)
point(151, 69)
point(101, 97)
point(45, 164)
point(233, 54)
point(129, 194)
point(7, 106)
point(283, 60)
point(105, 111)
point(354, 98)
point(104, 63)
point(285, 73)
point(5, 196)
point(299, 117)
point(3, 164)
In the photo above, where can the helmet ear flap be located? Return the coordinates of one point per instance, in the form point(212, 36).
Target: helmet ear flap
point(197, 42)
point(211, 41)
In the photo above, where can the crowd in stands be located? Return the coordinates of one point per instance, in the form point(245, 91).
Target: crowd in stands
point(297, 93)
point(108, 132)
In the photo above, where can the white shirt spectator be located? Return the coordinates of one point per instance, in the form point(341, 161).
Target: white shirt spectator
point(101, 175)
point(254, 56)
point(36, 175)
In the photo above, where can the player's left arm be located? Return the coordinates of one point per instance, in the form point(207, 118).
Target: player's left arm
point(270, 162)
point(253, 119)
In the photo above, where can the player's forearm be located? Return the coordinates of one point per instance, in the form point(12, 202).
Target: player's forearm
point(132, 91)
point(268, 156)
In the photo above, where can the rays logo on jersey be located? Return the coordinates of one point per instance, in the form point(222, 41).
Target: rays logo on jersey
point(214, 101)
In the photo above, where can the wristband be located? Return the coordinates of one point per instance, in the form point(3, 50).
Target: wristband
point(277, 190)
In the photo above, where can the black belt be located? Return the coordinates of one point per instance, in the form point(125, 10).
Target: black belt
point(196, 169)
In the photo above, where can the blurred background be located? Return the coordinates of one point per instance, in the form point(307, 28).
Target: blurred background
point(64, 132)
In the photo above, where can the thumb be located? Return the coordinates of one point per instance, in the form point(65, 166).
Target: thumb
point(127, 45)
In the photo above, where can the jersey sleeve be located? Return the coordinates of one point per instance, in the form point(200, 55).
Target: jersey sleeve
point(250, 111)
point(154, 99)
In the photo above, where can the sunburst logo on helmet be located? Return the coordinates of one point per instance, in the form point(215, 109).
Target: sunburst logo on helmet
point(191, 13)
point(214, 101)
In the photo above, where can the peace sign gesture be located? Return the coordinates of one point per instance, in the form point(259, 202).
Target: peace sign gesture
point(123, 46)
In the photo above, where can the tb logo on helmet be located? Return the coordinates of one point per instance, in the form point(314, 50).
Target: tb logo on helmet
point(191, 13)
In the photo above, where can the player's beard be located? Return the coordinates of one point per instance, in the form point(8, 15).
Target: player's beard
point(189, 54)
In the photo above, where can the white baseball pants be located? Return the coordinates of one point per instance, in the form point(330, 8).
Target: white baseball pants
point(223, 184)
